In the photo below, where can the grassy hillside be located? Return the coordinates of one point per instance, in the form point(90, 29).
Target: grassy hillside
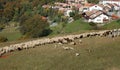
point(77, 26)
point(95, 54)
point(112, 25)
point(11, 33)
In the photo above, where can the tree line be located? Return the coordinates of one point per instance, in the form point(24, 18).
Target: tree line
point(29, 13)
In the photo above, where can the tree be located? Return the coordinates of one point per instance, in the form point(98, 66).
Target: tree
point(35, 27)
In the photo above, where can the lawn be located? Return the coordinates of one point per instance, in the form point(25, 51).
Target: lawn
point(98, 53)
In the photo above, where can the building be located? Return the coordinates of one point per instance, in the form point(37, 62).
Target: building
point(76, 1)
point(96, 7)
point(110, 1)
point(96, 16)
point(85, 7)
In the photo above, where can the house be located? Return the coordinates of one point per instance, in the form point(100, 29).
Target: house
point(76, 1)
point(64, 5)
point(96, 16)
point(116, 6)
point(109, 1)
point(85, 7)
point(96, 7)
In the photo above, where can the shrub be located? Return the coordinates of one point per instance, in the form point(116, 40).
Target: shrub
point(3, 39)
point(94, 26)
point(2, 26)
point(77, 16)
point(35, 27)
point(118, 21)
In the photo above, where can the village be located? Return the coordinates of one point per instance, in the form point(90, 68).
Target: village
point(104, 11)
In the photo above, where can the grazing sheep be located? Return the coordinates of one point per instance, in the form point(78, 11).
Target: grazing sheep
point(66, 48)
point(77, 54)
point(64, 42)
point(80, 41)
point(60, 40)
point(73, 43)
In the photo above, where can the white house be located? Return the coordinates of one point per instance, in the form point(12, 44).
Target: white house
point(96, 7)
point(96, 16)
point(84, 9)
point(76, 1)
point(116, 6)
point(110, 1)
point(99, 18)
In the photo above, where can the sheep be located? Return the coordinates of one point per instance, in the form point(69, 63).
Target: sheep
point(73, 43)
point(64, 42)
point(77, 54)
point(6, 49)
point(60, 40)
point(68, 48)
point(2, 52)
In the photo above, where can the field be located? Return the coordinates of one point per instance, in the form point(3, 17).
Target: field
point(112, 25)
point(77, 26)
point(11, 33)
point(96, 53)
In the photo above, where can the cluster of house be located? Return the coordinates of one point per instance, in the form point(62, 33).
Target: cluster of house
point(102, 12)
point(105, 11)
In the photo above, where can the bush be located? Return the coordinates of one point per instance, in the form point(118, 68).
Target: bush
point(72, 14)
point(77, 16)
point(118, 21)
point(35, 27)
point(94, 26)
point(2, 26)
point(3, 39)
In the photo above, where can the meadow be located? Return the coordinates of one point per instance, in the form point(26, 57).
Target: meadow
point(96, 53)
point(12, 33)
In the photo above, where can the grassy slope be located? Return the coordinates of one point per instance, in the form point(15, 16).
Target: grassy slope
point(104, 55)
point(11, 33)
point(112, 25)
point(76, 26)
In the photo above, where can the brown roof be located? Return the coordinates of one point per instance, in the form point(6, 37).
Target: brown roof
point(89, 13)
point(110, 5)
point(93, 14)
point(106, 8)
point(116, 5)
point(96, 14)
point(101, 5)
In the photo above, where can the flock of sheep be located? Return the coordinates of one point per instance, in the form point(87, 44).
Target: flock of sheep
point(62, 40)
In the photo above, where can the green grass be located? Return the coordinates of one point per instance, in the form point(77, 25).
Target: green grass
point(112, 25)
point(77, 26)
point(11, 34)
point(103, 55)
